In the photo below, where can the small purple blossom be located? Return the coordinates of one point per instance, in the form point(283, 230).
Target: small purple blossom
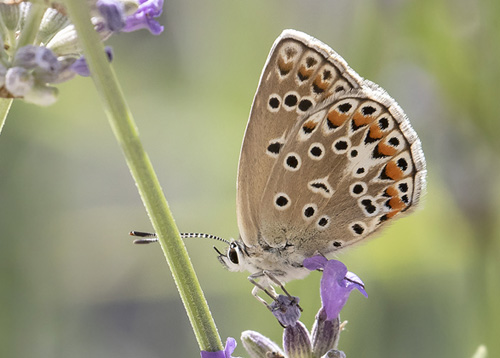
point(286, 310)
point(336, 283)
point(113, 12)
point(297, 341)
point(36, 57)
point(143, 18)
point(226, 353)
point(81, 67)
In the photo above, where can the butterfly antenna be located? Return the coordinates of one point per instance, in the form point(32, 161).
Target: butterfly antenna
point(186, 235)
point(149, 237)
point(145, 237)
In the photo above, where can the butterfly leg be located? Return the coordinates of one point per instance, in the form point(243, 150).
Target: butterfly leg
point(286, 309)
point(269, 290)
point(280, 285)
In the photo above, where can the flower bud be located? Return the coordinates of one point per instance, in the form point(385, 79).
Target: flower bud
point(325, 333)
point(19, 81)
point(52, 22)
point(259, 346)
point(296, 341)
point(10, 16)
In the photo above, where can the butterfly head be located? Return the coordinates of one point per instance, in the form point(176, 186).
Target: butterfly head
point(236, 256)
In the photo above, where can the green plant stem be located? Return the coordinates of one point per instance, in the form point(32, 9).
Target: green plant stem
point(31, 26)
point(5, 104)
point(142, 171)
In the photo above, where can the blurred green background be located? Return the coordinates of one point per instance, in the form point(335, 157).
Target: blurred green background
point(73, 285)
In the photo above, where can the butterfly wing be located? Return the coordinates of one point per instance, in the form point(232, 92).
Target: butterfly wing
point(346, 168)
point(300, 73)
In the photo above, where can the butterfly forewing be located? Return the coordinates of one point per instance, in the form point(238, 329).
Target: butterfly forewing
point(299, 75)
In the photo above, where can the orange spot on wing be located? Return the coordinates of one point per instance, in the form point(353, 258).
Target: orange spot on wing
point(336, 118)
point(319, 83)
point(385, 149)
point(393, 171)
point(391, 191)
point(305, 72)
point(396, 203)
point(284, 66)
point(375, 131)
point(360, 120)
point(310, 125)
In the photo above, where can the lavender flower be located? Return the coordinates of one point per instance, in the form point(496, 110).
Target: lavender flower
point(226, 353)
point(297, 341)
point(28, 72)
point(336, 284)
point(143, 18)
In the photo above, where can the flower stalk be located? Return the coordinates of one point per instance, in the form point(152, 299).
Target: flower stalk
point(126, 133)
point(5, 104)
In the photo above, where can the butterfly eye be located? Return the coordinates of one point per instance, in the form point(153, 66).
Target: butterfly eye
point(232, 254)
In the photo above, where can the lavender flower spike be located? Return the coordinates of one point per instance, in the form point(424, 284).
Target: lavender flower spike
point(143, 18)
point(226, 353)
point(336, 284)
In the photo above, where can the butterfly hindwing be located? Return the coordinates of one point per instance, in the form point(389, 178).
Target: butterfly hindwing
point(345, 169)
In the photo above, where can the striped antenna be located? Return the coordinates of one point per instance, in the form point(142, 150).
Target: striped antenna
point(149, 237)
point(186, 235)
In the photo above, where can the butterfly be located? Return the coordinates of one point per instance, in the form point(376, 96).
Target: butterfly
point(328, 158)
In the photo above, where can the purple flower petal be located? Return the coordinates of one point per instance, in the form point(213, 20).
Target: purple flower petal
point(144, 17)
point(336, 284)
point(226, 353)
point(81, 67)
point(286, 310)
point(315, 262)
point(218, 354)
point(113, 12)
point(354, 280)
point(230, 346)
